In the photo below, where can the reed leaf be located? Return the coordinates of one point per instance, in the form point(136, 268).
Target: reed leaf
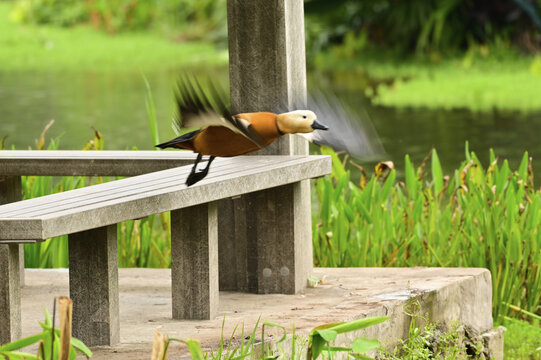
point(477, 217)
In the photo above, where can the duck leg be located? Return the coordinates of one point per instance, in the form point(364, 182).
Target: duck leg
point(195, 175)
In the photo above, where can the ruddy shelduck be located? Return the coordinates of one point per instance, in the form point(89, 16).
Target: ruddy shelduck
point(222, 134)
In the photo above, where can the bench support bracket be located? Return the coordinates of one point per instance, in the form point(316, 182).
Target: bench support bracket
point(93, 268)
point(194, 262)
point(271, 249)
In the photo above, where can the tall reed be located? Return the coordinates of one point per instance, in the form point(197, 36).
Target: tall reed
point(478, 217)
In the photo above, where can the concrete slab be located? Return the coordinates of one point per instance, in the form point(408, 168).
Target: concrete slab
point(446, 294)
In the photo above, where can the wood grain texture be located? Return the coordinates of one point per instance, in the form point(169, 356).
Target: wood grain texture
point(194, 262)
point(11, 191)
point(93, 269)
point(10, 294)
point(267, 68)
point(89, 163)
point(267, 73)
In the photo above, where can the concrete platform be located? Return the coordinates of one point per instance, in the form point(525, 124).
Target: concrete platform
point(447, 294)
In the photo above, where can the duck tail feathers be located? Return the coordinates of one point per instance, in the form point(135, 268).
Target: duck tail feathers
point(178, 140)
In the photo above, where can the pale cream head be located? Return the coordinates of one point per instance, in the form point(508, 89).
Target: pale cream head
point(298, 121)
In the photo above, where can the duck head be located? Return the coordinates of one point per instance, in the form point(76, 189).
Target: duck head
point(299, 121)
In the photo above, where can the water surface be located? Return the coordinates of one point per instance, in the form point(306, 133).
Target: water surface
point(114, 103)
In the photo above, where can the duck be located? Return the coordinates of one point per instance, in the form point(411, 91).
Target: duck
point(222, 134)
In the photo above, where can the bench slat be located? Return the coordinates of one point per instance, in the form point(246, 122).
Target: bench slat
point(175, 184)
point(263, 172)
point(90, 163)
point(117, 189)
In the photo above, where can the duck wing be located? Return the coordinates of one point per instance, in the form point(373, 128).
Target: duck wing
point(197, 109)
point(349, 131)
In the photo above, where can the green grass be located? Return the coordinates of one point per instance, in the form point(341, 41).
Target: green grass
point(522, 340)
point(48, 48)
point(504, 80)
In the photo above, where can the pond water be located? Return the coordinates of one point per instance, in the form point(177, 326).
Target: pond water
point(114, 103)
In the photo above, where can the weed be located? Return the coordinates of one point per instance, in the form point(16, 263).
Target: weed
point(53, 343)
point(318, 343)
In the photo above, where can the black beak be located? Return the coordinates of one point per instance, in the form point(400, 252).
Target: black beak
point(319, 126)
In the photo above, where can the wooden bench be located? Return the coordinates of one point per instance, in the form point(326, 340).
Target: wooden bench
point(17, 163)
point(89, 215)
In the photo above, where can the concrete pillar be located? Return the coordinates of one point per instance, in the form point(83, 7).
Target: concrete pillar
point(10, 294)
point(11, 262)
point(267, 73)
point(194, 262)
point(10, 191)
point(93, 272)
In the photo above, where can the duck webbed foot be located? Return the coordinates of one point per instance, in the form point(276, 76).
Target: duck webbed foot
point(196, 176)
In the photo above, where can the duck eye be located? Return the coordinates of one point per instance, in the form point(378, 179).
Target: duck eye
point(304, 116)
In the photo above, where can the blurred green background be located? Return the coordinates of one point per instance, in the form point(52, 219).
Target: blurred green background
point(427, 73)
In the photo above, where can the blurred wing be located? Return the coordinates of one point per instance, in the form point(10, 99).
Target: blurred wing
point(197, 109)
point(350, 132)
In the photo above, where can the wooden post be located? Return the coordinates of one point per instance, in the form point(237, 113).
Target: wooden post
point(267, 70)
point(93, 276)
point(194, 262)
point(10, 271)
point(10, 294)
point(10, 191)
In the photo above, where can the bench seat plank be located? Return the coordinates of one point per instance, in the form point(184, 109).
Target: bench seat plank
point(116, 190)
point(89, 163)
point(230, 177)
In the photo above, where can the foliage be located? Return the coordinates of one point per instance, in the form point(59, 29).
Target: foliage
point(428, 340)
point(482, 79)
point(119, 15)
point(318, 344)
point(49, 48)
point(60, 13)
point(447, 91)
point(475, 218)
point(49, 344)
point(321, 337)
point(404, 26)
point(423, 26)
point(522, 340)
point(194, 19)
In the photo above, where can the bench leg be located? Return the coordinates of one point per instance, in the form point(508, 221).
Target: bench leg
point(266, 241)
point(10, 294)
point(194, 262)
point(10, 191)
point(93, 277)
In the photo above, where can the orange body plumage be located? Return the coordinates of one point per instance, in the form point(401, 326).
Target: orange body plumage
point(221, 141)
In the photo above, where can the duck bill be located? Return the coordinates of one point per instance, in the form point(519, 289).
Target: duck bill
point(319, 126)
